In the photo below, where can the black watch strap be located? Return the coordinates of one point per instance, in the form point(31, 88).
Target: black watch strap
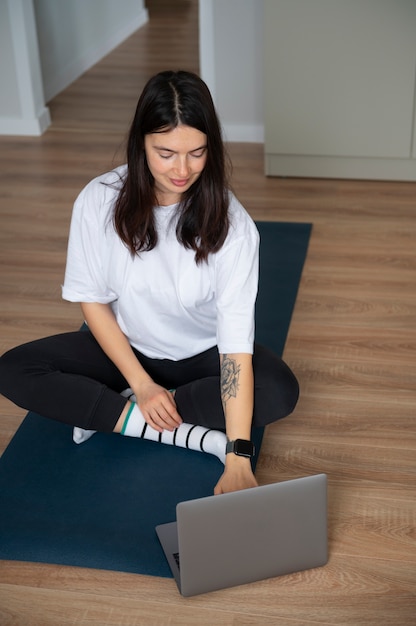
point(241, 447)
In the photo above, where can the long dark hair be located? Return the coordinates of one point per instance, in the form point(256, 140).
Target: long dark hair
point(168, 100)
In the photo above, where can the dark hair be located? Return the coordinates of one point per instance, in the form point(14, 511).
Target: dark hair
point(168, 100)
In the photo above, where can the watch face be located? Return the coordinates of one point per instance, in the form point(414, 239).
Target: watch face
point(244, 448)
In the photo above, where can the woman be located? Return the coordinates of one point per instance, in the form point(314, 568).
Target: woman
point(164, 262)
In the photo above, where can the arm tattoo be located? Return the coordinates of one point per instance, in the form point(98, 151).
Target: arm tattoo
point(230, 373)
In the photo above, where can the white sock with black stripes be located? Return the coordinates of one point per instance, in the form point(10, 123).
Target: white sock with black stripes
point(185, 436)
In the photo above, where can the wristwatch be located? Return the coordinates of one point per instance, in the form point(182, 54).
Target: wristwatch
point(240, 447)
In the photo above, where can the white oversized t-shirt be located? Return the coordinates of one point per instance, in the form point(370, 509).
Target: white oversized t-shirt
point(167, 305)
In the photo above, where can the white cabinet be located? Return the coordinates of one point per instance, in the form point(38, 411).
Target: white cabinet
point(339, 80)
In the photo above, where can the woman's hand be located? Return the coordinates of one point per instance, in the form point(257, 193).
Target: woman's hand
point(157, 406)
point(237, 475)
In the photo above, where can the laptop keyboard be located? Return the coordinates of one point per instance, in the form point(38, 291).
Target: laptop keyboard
point(176, 557)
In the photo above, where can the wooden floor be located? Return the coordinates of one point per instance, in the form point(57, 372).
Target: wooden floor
point(352, 343)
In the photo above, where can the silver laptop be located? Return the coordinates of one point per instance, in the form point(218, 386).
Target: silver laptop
point(245, 536)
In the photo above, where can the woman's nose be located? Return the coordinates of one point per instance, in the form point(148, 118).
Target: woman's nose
point(182, 166)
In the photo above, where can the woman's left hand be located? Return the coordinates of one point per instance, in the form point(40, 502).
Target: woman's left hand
point(237, 475)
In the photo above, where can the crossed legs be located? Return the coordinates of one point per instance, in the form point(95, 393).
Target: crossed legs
point(68, 377)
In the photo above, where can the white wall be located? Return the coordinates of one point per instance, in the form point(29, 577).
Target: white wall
point(73, 35)
point(231, 62)
point(9, 100)
point(22, 104)
point(47, 44)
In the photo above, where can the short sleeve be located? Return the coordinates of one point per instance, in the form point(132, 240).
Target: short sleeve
point(237, 269)
point(85, 279)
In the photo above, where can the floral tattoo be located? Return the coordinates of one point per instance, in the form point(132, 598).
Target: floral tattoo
point(230, 373)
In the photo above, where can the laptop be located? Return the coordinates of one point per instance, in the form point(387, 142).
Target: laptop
point(245, 536)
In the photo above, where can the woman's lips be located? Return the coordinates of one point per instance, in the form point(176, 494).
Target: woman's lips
point(179, 182)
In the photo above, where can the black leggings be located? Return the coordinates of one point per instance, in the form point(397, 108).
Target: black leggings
point(69, 378)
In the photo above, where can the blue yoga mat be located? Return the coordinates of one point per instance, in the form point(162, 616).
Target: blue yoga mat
point(97, 504)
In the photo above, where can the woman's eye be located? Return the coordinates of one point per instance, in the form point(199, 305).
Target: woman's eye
point(199, 153)
point(165, 155)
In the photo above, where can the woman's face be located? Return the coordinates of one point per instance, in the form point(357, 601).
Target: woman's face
point(175, 159)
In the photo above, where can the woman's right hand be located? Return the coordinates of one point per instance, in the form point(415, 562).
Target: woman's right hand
point(157, 406)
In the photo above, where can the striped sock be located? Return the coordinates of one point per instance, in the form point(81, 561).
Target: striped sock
point(185, 436)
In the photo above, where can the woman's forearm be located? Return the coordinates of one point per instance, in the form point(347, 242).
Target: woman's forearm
point(157, 405)
point(103, 325)
point(237, 394)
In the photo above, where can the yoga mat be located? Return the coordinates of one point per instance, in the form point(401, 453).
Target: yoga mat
point(96, 505)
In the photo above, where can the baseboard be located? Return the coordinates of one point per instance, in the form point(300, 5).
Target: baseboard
point(25, 126)
point(356, 168)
